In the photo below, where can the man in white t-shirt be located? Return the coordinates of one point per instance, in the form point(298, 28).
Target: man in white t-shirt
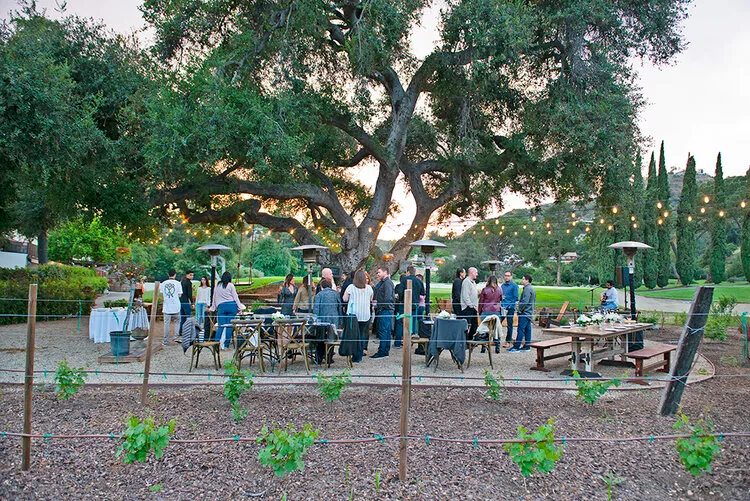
point(171, 290)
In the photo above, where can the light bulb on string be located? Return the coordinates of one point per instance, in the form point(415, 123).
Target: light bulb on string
point(548, 225)
point(588, 229)
point(614, 210)
point(659, 205)
point(515, 233)
point(533, 218)
point(743, 204)
point(703, 210)
point(690, 218)
point(632, 218)
point(666, 213)
point(721, 213)
point(531, 232)
point(573, 215)
point(524, 226)
point(635, 225)
point(567, 230)
point(601, 221)
point(660, 221)
point(549, 232)
point(706, 199)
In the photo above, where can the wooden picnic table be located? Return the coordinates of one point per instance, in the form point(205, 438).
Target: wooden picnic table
point(597, 342)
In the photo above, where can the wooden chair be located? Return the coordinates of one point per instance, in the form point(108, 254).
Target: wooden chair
point(213, 346)
point(246, 337)
point(290, 340)
point(558, 319)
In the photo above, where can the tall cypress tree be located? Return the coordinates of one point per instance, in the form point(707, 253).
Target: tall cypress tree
point(745, 242)
point(685, 259)
point(650, 265)
point(636, 210)
point(718, 256)
point(664, 262)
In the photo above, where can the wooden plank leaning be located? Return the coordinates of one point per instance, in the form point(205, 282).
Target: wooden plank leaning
point(690, 340)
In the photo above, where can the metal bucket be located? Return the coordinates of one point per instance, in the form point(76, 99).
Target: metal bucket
point(119, 343)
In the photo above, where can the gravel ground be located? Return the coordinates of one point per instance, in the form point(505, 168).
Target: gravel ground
point(88, 469)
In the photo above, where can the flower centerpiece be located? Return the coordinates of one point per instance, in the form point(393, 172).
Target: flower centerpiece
point(278, 316)
point(612, 318)
point(597, 318)
point(583, 321)
point(443, 314)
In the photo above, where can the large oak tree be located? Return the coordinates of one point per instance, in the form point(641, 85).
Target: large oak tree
point(273, 108)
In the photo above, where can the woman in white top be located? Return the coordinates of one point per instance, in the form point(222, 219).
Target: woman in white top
point(226, 303)
point(359, 298)
point(202, 299)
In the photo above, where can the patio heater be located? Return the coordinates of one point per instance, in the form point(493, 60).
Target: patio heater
point(213, 250)
point(630, 248)
point(310, 255)
point(428, 248)
point(492, 264)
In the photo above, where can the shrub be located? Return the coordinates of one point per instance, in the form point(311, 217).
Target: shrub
point(62, 291)
point(283, 448)
point(699, 450)
point(720, 318)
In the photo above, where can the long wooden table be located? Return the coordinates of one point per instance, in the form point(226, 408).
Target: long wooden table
point(595, 342)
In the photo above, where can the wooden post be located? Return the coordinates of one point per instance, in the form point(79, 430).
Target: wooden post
point(28, 383)
point(690, 339)
point(405, 384)
point(151, 334)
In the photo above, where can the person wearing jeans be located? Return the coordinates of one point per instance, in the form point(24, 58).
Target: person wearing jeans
point(510, 297)
point(226, 304)
point(171, 290)
point(525, 316)
point(384, 302)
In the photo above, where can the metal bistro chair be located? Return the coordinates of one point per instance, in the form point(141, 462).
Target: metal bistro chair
point(246, 335)
point(290, 340)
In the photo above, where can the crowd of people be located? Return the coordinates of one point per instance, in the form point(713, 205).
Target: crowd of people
point(359, 306)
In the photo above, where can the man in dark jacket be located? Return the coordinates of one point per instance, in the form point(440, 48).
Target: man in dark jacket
point(384, 305)
point(417, 289)
point(186, 299)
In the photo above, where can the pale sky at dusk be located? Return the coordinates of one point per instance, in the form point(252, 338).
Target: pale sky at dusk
point(700, 104)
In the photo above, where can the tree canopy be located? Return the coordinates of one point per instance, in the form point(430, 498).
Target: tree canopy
point(274, 110)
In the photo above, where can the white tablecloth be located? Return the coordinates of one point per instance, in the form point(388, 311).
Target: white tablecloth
point(105, 320)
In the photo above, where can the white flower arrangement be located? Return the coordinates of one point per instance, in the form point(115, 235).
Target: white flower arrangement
point(597, 318)
point(278, 316)
point(612, 317)
point(444, 314)
point(584, 320)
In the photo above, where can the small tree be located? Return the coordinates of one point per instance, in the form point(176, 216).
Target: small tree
point(746, 233)
point(664, 262)
point(686, 225)
point(650, 264)
point(718, 249)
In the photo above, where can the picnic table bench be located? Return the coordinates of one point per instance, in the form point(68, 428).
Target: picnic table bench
point(651, 351)
point(541, 346)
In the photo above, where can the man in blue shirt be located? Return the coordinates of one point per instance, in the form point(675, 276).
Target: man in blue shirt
point(510, 296)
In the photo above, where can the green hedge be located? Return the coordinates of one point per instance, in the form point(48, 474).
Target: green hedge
point(62, 291)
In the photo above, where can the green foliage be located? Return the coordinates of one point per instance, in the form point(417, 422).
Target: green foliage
point(537, 452)
point(591, 391)
point(237, 383)
point(611, 480)
point(116, 303)
point(377, 481)
point(745, 235)
point(494, 391)
point(283, 449)
point(60, 289)
point(718, 248)
point(330, 386)
point(155, 488)
point(68, 380)
point(720, 318)
point(699, 450)
point(273, 258)
point(142, 436)
point(686, 210)
point(664, 261)
point(80, 239)
point(650, 261)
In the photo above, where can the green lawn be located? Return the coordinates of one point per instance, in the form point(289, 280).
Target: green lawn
point(740, 291)
point(551, 297)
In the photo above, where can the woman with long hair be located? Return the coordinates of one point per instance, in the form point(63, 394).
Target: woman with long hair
point(226, 303)
point(304, 298)
point(286, 295)
point(358, 297)
point(489, 303)
point(202, 298)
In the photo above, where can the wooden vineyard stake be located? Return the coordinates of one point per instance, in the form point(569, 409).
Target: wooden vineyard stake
point(690, 340)
point(405, 384)
point(151, 334)
point(28, 383)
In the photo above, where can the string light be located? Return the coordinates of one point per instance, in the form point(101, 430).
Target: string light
point(635, 225)
point(632, 218)
point(690, 218)
point(610, 227)
point(601, 221)
point(706, 199)
point(533, 218)
point(721, 213)
point(743, 204)
point(614, 210)
point(703, 210)
point(588, 229)
point(659, 205)
point(660, 221)
point(567, 230)
point(573, 215)
point(531, 232)
point(666, 213)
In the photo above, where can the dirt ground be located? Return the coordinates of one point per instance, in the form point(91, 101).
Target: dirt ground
point(88, 469)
